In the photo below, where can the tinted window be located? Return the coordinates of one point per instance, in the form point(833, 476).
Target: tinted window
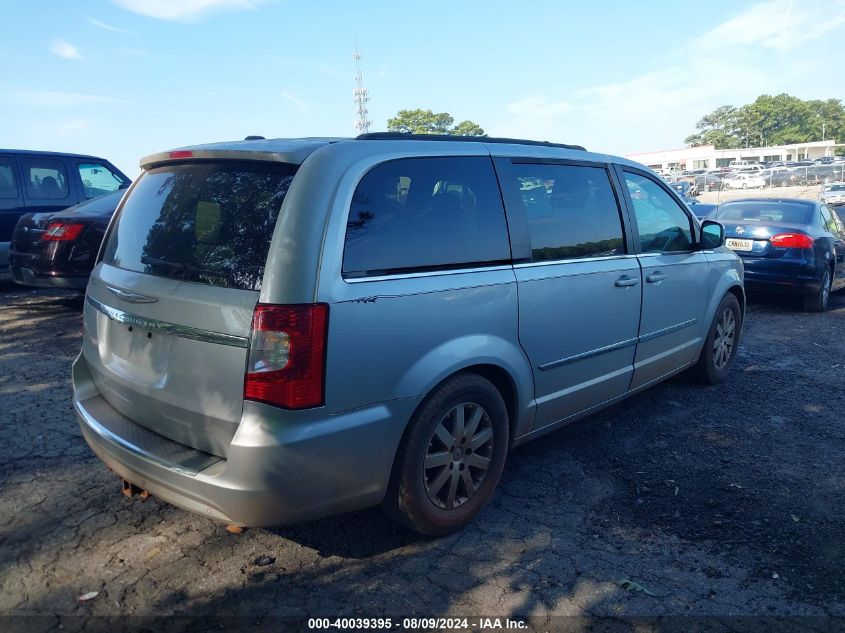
point(97, 179)
point(571, 211)
point(208, 223)
point(790, 212)
point(662, 223)
point(8, 188)
point(425, 213)
point(45, 178)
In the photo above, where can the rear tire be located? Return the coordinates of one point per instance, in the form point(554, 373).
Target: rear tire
point(720, 347)
point(820, 301)
point(451, 458)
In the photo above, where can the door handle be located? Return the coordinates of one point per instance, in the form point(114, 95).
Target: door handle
point(655, 277)
point(625, 281)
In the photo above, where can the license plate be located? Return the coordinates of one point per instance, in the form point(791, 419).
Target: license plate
point(739, 245)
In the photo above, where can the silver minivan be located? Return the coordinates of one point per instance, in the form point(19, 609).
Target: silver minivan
point(279, 330)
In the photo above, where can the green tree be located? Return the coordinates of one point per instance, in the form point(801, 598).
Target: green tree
point(468, 128)
point(427, 122)
point(772, 120)
point(719, 128)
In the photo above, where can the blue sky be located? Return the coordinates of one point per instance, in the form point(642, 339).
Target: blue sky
point(125, 78)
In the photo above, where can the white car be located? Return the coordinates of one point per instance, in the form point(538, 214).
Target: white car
point(741, 164)
point(744, 181)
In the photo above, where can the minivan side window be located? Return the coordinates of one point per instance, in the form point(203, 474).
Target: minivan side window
point(45, 178)
point(664, 227)
point(97, 179)
point(571, 210)
point(8, 188)
point(416, 214)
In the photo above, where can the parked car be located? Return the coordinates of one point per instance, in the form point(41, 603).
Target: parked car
point(740, 164)
point(58, 249)
point(708, 182)
point(44, 182)
point(784, 177)
point(825, 174)
point(402, 322)
point(789, 245)
point(700, 209)
point(744, 181)
point(833, 194)
point(684, 188)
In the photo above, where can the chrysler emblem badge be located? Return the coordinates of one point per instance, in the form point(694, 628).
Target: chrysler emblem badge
point(740, 230)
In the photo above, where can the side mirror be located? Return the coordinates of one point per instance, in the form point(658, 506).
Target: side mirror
point(712, 235)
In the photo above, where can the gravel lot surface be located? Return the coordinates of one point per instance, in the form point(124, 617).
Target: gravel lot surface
point(724, 501)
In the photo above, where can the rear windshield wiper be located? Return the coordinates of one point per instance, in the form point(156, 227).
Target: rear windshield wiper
point(179, 267)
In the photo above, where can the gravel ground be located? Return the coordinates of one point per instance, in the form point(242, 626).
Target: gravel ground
point(722, 501)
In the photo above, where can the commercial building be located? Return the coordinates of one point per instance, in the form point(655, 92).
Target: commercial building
point(708, 157)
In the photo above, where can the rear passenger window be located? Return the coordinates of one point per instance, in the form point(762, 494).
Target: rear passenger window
point(8, 188)
point(425, 213)
point(45, 178)
point(571, 211)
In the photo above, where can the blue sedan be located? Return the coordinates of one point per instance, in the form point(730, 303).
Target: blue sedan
point(789, 245)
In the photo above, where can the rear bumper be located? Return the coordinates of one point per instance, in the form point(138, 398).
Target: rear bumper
point(779, 275)
point(28, 277)
point(281, 467)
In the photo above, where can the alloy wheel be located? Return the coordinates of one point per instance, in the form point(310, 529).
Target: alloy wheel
point(458, 455)
point(826, 289)
point(723, 343)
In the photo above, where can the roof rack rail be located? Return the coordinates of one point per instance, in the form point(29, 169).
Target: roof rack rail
point(403, 136)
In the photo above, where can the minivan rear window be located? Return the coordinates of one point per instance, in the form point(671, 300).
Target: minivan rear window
point(208, 223)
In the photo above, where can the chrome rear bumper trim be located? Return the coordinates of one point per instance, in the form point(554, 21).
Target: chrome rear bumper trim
point(182, 331)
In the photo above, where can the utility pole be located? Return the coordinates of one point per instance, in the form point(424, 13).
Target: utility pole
point(360, 96)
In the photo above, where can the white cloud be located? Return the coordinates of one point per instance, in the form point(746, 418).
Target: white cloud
point(783, 25)
point(182, 10)
point(65, 50)
point(109, 27)
point(732, 63)
point(53, 98)
point(72, 128)
point(301, 105)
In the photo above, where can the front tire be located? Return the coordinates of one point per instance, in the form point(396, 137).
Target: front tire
point(819, 301)
point(451, 458)
point(720, 347)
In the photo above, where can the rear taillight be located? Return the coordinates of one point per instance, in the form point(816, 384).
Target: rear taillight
point(287, 355)
point(792, 240)
point(61, 232)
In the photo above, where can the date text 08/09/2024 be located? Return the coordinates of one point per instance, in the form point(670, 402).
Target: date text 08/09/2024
point(475, 624)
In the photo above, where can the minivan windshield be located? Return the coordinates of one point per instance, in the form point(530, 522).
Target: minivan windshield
point(764, 211)
point(204, 222)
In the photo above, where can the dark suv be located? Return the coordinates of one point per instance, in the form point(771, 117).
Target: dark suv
point(42, 182)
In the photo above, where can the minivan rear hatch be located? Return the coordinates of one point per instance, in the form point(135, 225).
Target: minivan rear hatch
point(169, 308)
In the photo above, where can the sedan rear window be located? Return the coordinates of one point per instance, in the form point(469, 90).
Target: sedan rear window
point(762, 211)
point(208, 223)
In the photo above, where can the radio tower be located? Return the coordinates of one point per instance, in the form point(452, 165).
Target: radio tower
point(360, 96)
